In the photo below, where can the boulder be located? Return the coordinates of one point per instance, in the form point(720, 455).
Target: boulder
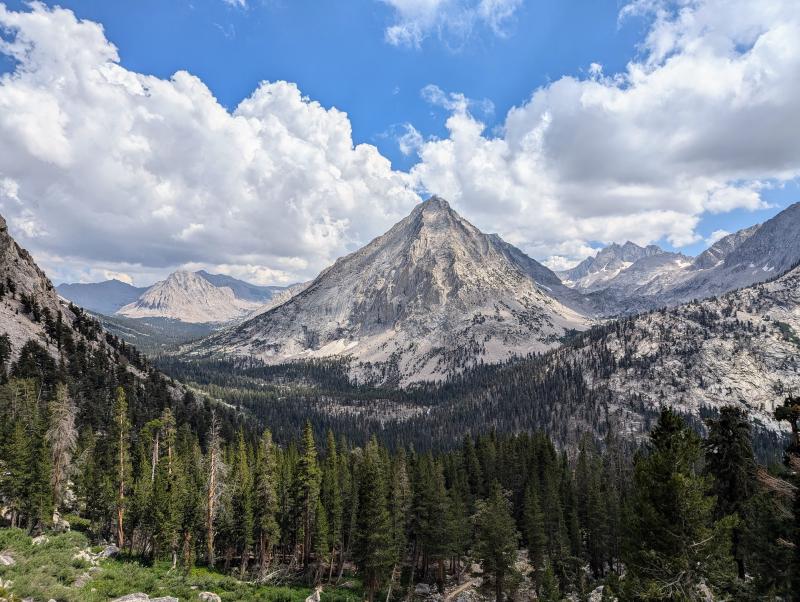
point(137, 597)
point(209, 597)
point(40, 540)
point(108, 552)
point(7, 560)
point(59, 524)
point(596, 595)
point(422, 589)
point(165, 599)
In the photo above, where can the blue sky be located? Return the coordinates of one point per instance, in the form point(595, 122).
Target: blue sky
point(338, 54)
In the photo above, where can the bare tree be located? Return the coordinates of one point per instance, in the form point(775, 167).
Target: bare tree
point(216, 471)
point(62, 437)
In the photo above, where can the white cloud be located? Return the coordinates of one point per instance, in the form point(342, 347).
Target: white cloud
point(709, 113)
point(121, 276)
point(455, 101)
point(410, 140)
point(137, 174)
point(105, 169)
point(453, 21)
point(715, 236)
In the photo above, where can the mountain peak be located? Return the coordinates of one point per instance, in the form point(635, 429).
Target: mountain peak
point(428, 298)
point(189, 297)
point(435, 203)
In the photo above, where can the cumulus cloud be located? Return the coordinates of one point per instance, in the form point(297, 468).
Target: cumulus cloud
point(453, 21)
point(103, 169)
point(121, 276)
point(102, 164)
point(707, 113)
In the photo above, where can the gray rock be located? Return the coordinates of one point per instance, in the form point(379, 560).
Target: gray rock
point(422, 589)
point(7, 560)
point(137, 597)
point(85, 556)
point(40, 540)
point(109, 552)
point(209, 597)
point(165, 599)
point(596, 595)
point(59, 524)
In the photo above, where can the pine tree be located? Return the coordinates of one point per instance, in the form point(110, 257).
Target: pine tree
point(266, 499)
point(122, 429)
point(62, 437)
point(496, 538)
point(729, 459)
point(534, 528)
point(331, 497)
point(215, 485)
point(307, 486)
point(242, 502)
point(458, 528)
point(548, 589)
point(673, 542)
point(17, 454)
point(373, 546)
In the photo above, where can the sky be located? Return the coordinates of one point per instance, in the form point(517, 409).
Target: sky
point(266, 138)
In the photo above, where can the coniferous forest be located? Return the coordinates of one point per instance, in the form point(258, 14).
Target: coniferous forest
point(101, 440)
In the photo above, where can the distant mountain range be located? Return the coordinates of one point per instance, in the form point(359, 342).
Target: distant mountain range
point(190, 297)
point(434, 298)
point(629, 278)
point(106, 297)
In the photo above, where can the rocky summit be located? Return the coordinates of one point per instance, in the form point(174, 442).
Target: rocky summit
point(430, 297)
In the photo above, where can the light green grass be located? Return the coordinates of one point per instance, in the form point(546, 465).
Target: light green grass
point(49, 570)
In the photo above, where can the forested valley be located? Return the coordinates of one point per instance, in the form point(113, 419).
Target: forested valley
point(100, 441)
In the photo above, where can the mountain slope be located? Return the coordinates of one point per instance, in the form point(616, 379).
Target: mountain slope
point(719, 251)
point(189, 297)
point(755, 254)
point(751, 255)
point(428, 298)
point(102, 297)
point(741, 348)
point(242, 290)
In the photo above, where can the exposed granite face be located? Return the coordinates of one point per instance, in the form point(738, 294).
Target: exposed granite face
point(755, 254)
point(431, 296)
point(740, 348)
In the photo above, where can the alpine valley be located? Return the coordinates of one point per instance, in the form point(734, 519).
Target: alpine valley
point(434, 338)
point(435, 329)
